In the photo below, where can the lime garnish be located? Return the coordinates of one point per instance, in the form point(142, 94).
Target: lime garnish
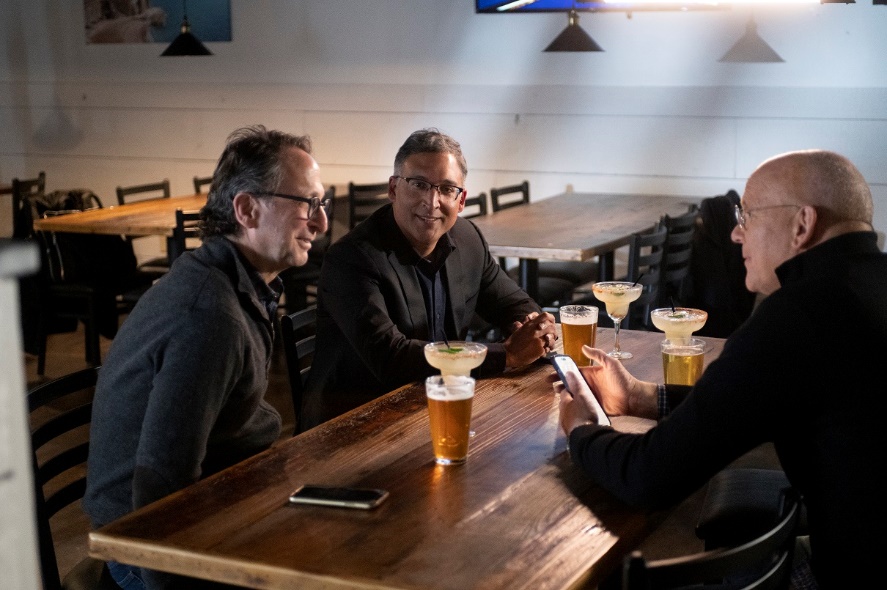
point(451, 350)
point(678, 314)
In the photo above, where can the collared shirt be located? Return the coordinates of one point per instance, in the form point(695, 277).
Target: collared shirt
point(432, 280)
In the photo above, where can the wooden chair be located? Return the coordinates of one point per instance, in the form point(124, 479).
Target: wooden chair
point(202, 181)
point(186, 231)
point(506, 197)
point(60, 413)
point(298, 331)
point(763, 563)
point(23, 192)
point(364, 199)
point(144, 192)
point(158, 266)
point(475, 206)
point(678, 252)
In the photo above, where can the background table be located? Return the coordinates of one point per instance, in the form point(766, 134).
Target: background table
point(575, 226)
point(516, 515)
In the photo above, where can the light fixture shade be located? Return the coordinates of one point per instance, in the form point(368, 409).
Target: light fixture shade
point(186, 43)
point(573, 38)
point(751, 48)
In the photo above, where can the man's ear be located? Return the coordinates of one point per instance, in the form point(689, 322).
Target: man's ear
point(804, 228)
point(246, 210)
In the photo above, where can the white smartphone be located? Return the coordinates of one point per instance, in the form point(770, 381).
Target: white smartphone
point(364, 498)
point(564, 365)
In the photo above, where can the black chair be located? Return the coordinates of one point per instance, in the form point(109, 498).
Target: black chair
point(300, 282)
point(742, 503)
point(156, 267)
point(763, 563)
point(298, 332)
point(202, 181)
point(24, 192)
point(60, 413)
point(475, 206)
point(678, 252)
point(364, 199)
point(645, 256)
point(505, 197)
point(187, 230)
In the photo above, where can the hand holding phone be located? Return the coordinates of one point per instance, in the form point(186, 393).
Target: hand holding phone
point(564, 366)
point(364, 498)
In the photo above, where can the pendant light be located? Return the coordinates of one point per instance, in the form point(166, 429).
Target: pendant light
point(186, 43)
point(573, 38)
point(751, 48)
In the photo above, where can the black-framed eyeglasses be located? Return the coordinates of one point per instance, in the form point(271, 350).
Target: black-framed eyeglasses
point(314, 203)
point(446, 191)
point(743, 215)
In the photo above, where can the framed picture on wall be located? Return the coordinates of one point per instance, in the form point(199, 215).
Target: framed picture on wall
point(155, 21)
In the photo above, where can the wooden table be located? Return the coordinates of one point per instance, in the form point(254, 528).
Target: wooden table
point(576, 226)
point(516, 515)
point(142, 218)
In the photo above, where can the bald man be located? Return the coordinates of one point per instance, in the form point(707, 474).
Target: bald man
point(804, 372)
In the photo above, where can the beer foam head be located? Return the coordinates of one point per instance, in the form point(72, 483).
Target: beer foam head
point(578, 315)
point(449, 387)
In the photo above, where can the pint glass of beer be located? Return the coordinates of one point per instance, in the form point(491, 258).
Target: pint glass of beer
point(449, 409)
point(578, 327)
point(682, 362)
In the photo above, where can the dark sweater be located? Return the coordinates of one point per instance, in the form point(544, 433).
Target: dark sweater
point(180, 395)
point(803, 372)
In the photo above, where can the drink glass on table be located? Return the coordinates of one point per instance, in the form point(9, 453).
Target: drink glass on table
point(678, 323)
point(455, 358)
point(617, 295)
point(449, 412)
point(578, 327)
point(682, 361)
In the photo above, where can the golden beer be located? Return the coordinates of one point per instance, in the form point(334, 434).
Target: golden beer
point(682, 363)
point(449, 412)
point(578, 327)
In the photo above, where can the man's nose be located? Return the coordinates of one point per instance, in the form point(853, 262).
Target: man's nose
point(737, 234)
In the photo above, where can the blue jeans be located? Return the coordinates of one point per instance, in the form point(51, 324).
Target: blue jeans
point(128, 577)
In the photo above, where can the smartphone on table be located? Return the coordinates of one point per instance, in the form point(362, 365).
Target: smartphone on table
point(564, 365)
point(342, 497)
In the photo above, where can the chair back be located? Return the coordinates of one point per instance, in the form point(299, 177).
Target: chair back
point(506, 197)
point(202, 181)
point(645, 255)
point(364, 199)
point(763, 563)
point(187, 227)
point(24, 192)
point(678, 252)
point(143, 192)
point(60, 414)
point(298, 332)
point(475, 206)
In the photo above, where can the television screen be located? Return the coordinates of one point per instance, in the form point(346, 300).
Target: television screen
point(528, 6)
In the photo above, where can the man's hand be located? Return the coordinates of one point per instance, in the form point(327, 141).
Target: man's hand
point(617, 389)
point(574, 410)
point(530, 340)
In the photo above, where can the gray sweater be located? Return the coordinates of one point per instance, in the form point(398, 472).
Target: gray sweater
point(180, 395)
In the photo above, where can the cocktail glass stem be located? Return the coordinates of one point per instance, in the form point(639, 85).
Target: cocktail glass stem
point(617, 352)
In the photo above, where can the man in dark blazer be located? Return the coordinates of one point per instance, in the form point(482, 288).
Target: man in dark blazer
point(412, 273)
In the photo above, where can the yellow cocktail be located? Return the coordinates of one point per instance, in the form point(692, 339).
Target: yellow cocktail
point(678, 323)
point(455, 358)
point(617, 295)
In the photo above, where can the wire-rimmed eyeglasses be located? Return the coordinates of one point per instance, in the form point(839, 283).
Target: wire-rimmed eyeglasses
point(446, 191)
point(314, 203)
point(743, 215)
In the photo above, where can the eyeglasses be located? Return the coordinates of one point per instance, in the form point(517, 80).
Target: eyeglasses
point(314, 203)
point(446, 191)
point(743, 215)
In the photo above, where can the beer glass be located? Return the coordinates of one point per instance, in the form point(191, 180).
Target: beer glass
point(578, 327)
point(449, 411)
point(682, 361)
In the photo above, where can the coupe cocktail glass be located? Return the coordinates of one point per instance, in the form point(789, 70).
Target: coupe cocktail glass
point(678, 323)
point(617, 295)
point(455, 358)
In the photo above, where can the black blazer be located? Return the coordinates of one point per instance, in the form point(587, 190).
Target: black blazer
point(371, 319)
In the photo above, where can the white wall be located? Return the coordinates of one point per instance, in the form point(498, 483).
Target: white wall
point(656, 112)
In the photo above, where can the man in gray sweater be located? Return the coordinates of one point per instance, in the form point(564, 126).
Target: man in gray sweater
point(181, 394)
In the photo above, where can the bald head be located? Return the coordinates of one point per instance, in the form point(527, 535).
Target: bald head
point(825, 180)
